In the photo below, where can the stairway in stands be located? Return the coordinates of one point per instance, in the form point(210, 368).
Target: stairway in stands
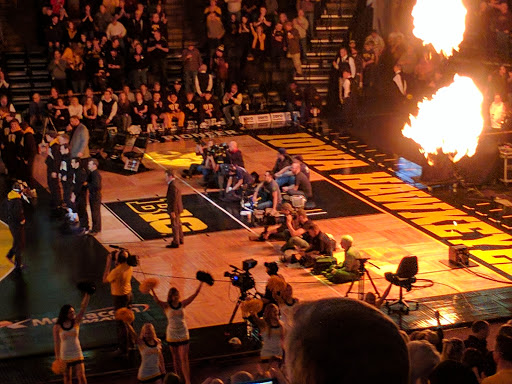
point(27, 73)
point(331, 31)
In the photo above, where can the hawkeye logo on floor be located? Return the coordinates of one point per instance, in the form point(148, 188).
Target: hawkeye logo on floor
point(487, 244)
point(96, 316)
point(154, 212)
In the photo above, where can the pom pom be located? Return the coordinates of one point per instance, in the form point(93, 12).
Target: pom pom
point(276, 284)
point(148, 284)
point(58, 367)
point(251, 307)
point(86, 287)
point(124, 314)
point(205, 277)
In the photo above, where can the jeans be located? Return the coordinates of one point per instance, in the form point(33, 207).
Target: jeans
point(236, 112)
point(286, 179)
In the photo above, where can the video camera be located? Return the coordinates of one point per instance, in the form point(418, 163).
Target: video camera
point(121, 253)
point(218, 151)
point(242, 278)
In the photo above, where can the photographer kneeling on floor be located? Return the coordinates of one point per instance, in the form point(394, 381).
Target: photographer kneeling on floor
point(267, 194)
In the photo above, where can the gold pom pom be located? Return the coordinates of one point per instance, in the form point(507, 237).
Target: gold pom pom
point(276, 284)
point(148, 284)
point(124, 314)
point(251, 307)
point(58, 367)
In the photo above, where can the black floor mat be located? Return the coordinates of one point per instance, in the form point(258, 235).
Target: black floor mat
point(149, 220)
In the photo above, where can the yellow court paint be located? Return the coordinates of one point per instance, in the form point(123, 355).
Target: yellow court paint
point(154, 212)
point(5, 244)
point(487, 243)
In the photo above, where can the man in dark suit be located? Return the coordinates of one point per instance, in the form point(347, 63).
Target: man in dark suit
point(174, 209)
point(94, 186)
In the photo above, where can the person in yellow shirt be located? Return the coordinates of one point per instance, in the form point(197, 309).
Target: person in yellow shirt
point(503, 357)
point(119, 279)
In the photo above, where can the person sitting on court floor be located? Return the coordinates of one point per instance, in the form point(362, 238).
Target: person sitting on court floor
point(320, 245)
point(341, 340)
point(302, 184)
point(285, 176)
point(278, 231)
point(238, 182)
point(267, 194)
point(299, 237)
point(349, 270)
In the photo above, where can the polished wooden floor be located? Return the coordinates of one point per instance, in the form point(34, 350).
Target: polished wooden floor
point(382, 237)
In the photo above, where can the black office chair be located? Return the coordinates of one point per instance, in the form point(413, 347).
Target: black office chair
point(404, 278)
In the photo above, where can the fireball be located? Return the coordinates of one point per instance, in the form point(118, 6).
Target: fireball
point(451, 122)
point(440, 23)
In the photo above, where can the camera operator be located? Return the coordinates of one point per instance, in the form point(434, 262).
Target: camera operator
point(299, 237)
point(119, 279)
point(280, 231)
point(238, 182)
point(268, 193)
point(348, 271)
point(234, 155)
point(202, 149)
point(320, 246)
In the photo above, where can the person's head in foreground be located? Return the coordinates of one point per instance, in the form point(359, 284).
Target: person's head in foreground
point(342, 340)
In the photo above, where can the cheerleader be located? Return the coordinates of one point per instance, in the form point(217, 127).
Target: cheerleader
point(272, 335)
point(152, 366)
point(177, 332)
point(66, 342)
point(287, 305)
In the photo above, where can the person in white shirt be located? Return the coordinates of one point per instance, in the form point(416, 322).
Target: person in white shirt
point(497, 112)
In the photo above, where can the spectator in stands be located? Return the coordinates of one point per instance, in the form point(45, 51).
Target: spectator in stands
point(36, 111)
point(313, 352)
point(156, 24)
point(369, 64)
point(232, 101)
point(474, 360)
point(210, 107)
point(478, 337)
point(293, 47)
point(78, 74)
point(278, 45)
point(75, 108)
point(107, 109)
point(146, 95)
point(140, 111)
point(102, 19)
point(347, 98)
point(191, 58)
point(138, 28)
point(503, 25)
point(54, 34)
point(294, 101)
point(452, 372)
point(116, 30)
point(301, 24)
point(214, 33)
point(453, 349)
point(235, 8)
point(158, 50)
point(115, 70)
point(90, 114)
point(4, 85)
point(423, 359)
point(71, 35)
point(100, 76)
point(502, 357)
point(220, 71)
point(139, 67)
point(60, 114)
point(57, 68)
point(497, 112)
point(308, 7)
point(378, 43)
point(302, 184)
point(124, 112)
point(213, 8)
point(87, 22)
point(178, 90)
point(203, 81)
point(259, 45)
point(156, 110)
point(173, 111)
point(191, 108)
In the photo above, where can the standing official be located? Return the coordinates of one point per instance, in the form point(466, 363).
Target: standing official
point(94, 185)
point(174, 209)
point(79, 192)
point(16, 222)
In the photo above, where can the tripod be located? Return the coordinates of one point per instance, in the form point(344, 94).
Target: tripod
point(360, 282)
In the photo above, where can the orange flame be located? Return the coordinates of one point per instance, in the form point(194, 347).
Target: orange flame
point(440, 23)
point(451, 122)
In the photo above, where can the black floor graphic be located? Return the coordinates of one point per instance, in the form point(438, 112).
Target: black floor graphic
point(149, 220)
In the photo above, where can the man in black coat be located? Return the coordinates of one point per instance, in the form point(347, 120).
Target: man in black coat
point(16, 222)
point(79, 192)
point(94, 186)
point(29, 154)
point(52, 169)
point(174, 209)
